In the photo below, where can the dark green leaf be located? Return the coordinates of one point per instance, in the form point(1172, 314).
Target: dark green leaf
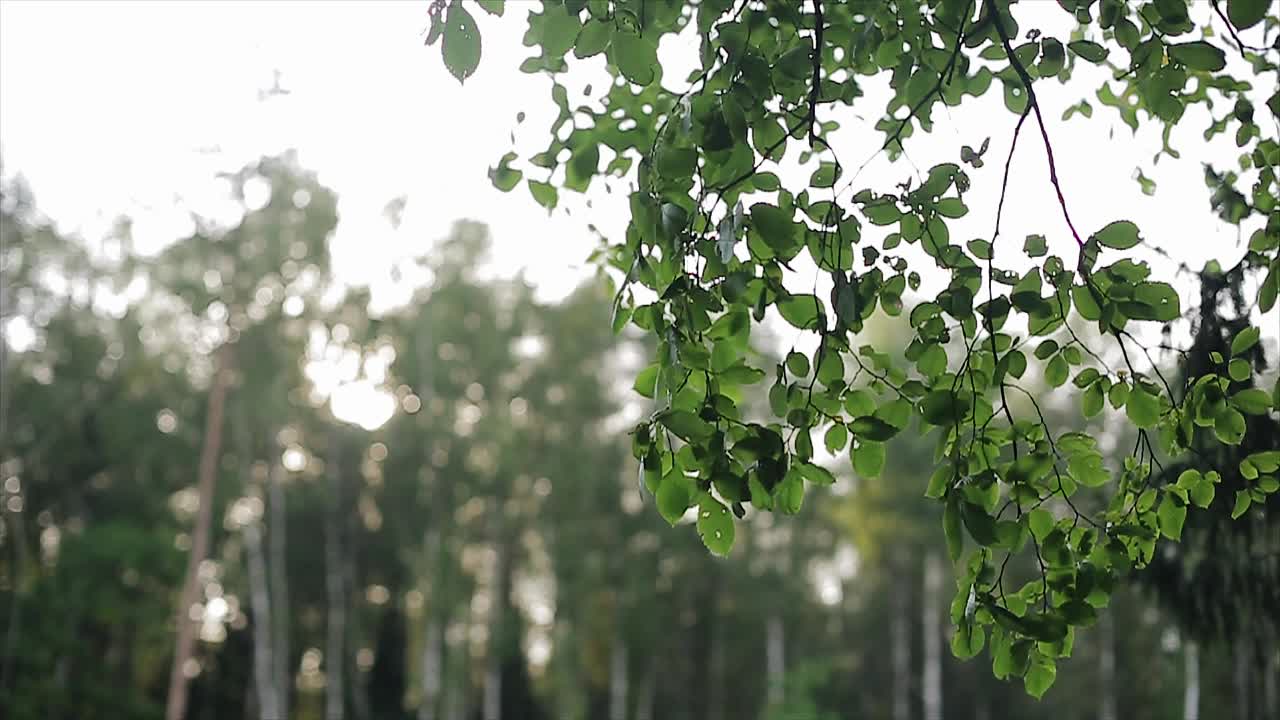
point(461, 48)
point(872, 428)
point(635, 56)
point(1120, 235)
point(1244, 14)
point(1198, 55)
point(1091, 51)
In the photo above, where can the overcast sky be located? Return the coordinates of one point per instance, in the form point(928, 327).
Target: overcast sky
point(111, 108)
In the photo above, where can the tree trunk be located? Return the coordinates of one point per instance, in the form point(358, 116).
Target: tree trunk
point(492, 703)
point(432, 652)
point(774, 659)
point(1241, 649)
point(1271, 677)
point(1106, 668)
point(359, 690)
point(645, 693)
point(276, 537)
point(1271, 670)
point(715, 684)
point(618, 674)
point(16, 530)
point(1191, 683)
point(900, 645)
point(263, 654)
point(335, 585)
point(210, 453)
point(931, 627)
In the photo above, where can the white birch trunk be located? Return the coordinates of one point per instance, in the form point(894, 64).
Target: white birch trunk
point(1191, 683)
point(715, 699)
point(1106, 668)
point(1271, 678)
point(335, 652)
point(491, 708)
point(431, 659)
point(645, 694)
point(900, 650)
point(775, 659)
point(618, 679)
point(279, 590)
point(931, 627)
point(1241, 648)
point(260, 601)
point(206, 478)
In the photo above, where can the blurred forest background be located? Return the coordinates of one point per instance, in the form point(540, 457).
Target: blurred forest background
point(433, 513)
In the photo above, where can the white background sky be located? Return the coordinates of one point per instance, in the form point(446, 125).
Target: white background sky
point(111, 108)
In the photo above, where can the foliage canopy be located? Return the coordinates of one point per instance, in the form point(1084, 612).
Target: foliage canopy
point(716, 228)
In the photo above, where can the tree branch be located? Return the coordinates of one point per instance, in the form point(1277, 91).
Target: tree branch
point(1035, 107)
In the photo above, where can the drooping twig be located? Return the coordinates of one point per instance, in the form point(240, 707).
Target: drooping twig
point(816, 90)
point(1231, 30)
point(1035, 107)
point(943, 77)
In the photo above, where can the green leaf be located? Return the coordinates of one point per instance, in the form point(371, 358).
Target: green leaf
point(836, 438)
point(942, 407)
point(825, 176)
point(951, 524)
point(802, 311)
point(493, 7)
point(1229, 426)
point(1035, 246)
point(673, 496)
point(1120, 235)
point(868, 458)
point(635, 56)
point(1243, 500)
point(1052, 57)
point(968, 640)
point(1040, 522)
point(1244, 340)
point(790, 493)
point(1171, 515)
point(544, 193)
point(981, 526)
point(686, 425)
point(933, 361)
point(593, 39)
point(1091, 51)
point(646, 381)
point(1091, 403)
point(1252, 401)
point(775, 226)
point(1142, 408)
point(1198, 55)
point(870, 427)
point(504, 177)
point(1040, 676)
point(1244, 14)
point(1202, 493)
point(715, 525)
point(461, 48)
point(1055, 373)
point(1239, 369)
point(816, 474)
point(797, 364)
